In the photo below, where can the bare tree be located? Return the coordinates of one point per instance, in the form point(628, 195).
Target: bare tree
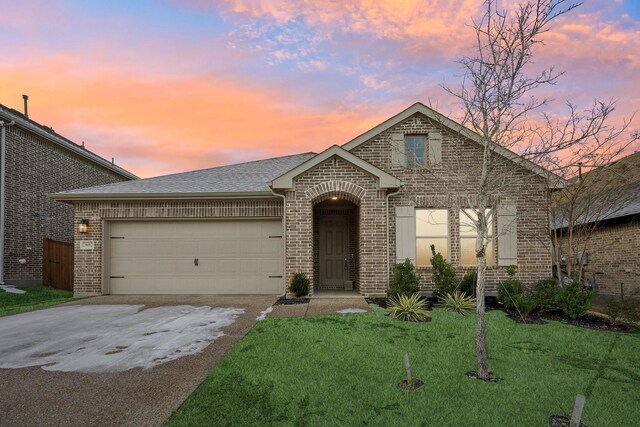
point(497, 97)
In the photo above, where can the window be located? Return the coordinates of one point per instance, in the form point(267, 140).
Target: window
point(432, 228)
point(415, 148)
point(468, 237)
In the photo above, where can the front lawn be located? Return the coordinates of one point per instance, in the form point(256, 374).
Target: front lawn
point(35, 297)
point(344, 370)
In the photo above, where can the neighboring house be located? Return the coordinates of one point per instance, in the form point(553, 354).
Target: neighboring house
point(349, 214)
point(604, 208)
point(40, 162)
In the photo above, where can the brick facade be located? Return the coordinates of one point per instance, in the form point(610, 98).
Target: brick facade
point(371, 246)
point(35, 168)
point(613, 253)
point(448, 185)
point(88, 270)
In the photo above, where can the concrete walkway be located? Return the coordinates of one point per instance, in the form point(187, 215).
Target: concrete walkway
point(319, 305)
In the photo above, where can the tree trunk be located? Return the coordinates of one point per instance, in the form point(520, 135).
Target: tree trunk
point(481, 325)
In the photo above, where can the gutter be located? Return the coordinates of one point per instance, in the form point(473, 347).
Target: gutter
point(388, 254)
point(72, 197)
point(284, 235)
point(3, 156)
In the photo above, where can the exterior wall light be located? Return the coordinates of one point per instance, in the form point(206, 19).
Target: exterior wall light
point(83, 227)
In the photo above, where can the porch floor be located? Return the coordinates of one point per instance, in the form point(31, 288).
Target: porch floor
point(322, 293)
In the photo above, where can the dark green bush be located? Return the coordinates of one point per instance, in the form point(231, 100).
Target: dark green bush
point(405, 279)
point(468, 283)
point(444, 275)
point(545, 293)
point(510, 289)
point(524, 304)
point(573, 300)
point(299, 285)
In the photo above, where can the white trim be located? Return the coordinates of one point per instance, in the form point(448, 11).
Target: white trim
point(285, 181)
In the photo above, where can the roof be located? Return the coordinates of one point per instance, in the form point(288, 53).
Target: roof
point(241, 180)
point(609, 192)
point(24, 122)
point(286, 180)
point(554, 180)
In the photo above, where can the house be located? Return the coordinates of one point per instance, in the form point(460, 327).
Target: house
point(344, 217)
point(604, 207)
point(38, 162)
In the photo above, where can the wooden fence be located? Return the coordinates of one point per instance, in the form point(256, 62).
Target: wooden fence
point(57, 264)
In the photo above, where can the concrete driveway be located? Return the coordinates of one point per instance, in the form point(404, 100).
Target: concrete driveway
point(125, 360)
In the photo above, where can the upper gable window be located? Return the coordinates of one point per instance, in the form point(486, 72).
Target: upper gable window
point(415, 151)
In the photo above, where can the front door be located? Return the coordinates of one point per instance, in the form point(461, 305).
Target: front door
point(334, 251)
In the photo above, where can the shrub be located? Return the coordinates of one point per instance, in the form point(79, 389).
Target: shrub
point(510, 289)
point(573, 300)
point(405, 280)
point(459, 302)
point(411, 308)
point(468, 283)
point(545, 293)
point(524, 304)
point(299, 285)
point(444, 274)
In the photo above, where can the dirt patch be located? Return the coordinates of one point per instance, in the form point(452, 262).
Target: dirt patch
point(411, 385)
point(474, 376)
point(561, 421)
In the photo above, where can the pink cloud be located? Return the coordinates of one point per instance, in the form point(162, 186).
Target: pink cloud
point(175, 124)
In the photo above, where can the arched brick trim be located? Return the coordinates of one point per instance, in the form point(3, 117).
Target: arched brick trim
point(342, 189)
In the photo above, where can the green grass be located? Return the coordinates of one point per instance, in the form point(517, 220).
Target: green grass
point(36, 297)
point(344, 370)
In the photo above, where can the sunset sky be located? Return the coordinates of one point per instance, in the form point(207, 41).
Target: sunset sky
point(170, 86)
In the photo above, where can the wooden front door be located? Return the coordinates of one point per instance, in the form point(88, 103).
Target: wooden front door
point(334, 251)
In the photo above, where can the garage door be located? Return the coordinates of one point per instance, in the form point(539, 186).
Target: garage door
point(195, 257)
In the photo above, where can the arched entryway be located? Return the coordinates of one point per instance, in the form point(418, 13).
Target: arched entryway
point(335, 244)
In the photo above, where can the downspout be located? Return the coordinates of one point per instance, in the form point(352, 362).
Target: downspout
point(284, 236)
point(2, 192)
point(389, 255)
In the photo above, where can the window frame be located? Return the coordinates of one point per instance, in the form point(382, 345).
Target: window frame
point(409, 160)
point(433, 236)
point(491, 246)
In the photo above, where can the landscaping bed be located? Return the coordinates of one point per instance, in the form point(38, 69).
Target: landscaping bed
point(345, 370)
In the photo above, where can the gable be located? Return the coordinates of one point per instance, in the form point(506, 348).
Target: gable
point(448, 125)
point(385, 180)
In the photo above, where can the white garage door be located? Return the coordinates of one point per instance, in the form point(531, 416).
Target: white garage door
point(196, 257)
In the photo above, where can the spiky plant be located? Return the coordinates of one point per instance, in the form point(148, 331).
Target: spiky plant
point(410, 308)
point(459, 302)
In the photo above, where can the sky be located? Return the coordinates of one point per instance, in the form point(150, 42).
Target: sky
point(176, 85)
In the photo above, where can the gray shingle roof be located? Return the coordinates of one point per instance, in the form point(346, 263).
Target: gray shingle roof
point(250, 177)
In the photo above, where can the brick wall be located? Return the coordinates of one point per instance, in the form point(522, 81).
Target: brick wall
point(36, 168)
point(450, 184)
point(88, 263)
point(338, 177)
point(614, 251)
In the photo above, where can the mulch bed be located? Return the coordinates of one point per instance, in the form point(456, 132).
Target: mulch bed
point(413, 385)
point(474, 376)
point(561, 421)
point(587, 321)
point(291, 301)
